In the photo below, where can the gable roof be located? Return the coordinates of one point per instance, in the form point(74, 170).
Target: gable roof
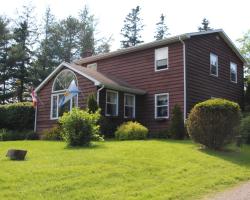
point(96, 77)
point(168, 40)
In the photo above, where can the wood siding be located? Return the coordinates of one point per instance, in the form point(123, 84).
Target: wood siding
point(137, 69)
point(43, 113)
point(200, 84)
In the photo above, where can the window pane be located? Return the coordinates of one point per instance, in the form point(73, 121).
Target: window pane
point(213, 70)
point(161, 63)
point(213, 60)
point(111, 109)
point(162, 100)
point(233, 72)
point(129, 100)
point(161, 53)
point(54, 106)
point(63, 80)
point(111, 97)
point(74, 101)
point(129, 112)
point(162, 111)
point(65, 107)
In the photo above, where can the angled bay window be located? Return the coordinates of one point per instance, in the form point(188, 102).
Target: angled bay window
point(129, 106)
point(61, 99)
point(111, 103)
point(162, 105)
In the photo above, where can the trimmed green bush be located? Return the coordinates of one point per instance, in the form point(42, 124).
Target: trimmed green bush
point(214, 123)
point(11, 135)
point(131, 131)
point(245, 129)
point(177, 128)
point(92, 103)
point(53, 133)
point(79, 127)
point(17, 116)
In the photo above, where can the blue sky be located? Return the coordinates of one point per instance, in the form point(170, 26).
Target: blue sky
point(181, 16)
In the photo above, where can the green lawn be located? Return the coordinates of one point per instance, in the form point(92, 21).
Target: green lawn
point(119, 170)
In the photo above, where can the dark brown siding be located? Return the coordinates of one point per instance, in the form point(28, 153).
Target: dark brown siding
point(200, 84)
point(43, 114)
point(137, 69)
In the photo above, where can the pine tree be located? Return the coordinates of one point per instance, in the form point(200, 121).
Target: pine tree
point(132, 28)
point(204, 25)
point(22, 52)
point(5, 69)
point(161, 29)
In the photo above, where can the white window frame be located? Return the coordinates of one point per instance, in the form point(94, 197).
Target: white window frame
point(60, 92)
point(117, 103)
point(155, 61)
point(161, 94)
point(231, 64)
point(217, 67)
point(57, 108)
point(126, 94)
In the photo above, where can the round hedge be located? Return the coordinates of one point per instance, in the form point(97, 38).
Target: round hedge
point(214, 123)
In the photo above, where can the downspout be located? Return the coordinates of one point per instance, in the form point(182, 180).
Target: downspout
point(98, 95)
point(184, 77)
point(35, 117)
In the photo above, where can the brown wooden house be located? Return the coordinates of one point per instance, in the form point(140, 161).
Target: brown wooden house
point(144, 82)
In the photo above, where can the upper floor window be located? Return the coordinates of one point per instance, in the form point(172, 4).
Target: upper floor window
point(162, 105)
point(111, 103)
point(129, 106)
point(233, 72)
point(161, 59)
point(213, 64)
point(64, 93)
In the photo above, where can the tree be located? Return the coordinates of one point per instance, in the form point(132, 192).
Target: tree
point(132, 28)
point(177, 128)
point(22, 52)
point(5, 69)
point(245, 47)
point(161, 29)
point(204, 25)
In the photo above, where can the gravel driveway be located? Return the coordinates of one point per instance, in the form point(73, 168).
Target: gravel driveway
point(240, 192)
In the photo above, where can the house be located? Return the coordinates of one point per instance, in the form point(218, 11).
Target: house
point(145, 82)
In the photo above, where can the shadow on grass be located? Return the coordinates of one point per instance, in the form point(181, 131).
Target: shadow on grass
point(99, 145)
point(239, 156)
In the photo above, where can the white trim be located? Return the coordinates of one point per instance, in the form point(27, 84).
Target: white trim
point(117, 103)
point(217, 67)
point(64, 64)
point(232, 63)
point(98, 95)
point(155, 61)
point(161, 94)
point(132, 95)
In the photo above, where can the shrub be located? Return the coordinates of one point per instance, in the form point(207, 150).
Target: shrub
point(162, 134)
point(214, 123)
point(131, 131)
point(108, 126)
point(53, 133)
point(80, 127)
point(17, 116)
point(177, 129)
point(11, 135)
point(245, 129)
point(92, 103)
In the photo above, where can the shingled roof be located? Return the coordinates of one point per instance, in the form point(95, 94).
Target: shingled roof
point(98, 78)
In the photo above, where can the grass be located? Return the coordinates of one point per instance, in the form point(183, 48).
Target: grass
point(119, 170)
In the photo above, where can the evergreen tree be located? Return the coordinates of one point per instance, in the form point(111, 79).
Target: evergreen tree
point(204, 25)
point(132, 28)
point(245, 47)
point(22, 52)
point(177, 128)
point(161, 29)
point(5, 69)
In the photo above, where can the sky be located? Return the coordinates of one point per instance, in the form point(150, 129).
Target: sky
point(181, 16)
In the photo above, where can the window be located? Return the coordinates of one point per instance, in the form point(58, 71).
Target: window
point(92, 66)
point(161, 59)
point(161, 105)
point(111, 103)
point(62, 83)
point(129, 106)
point(213, 64)
point(233, 72)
